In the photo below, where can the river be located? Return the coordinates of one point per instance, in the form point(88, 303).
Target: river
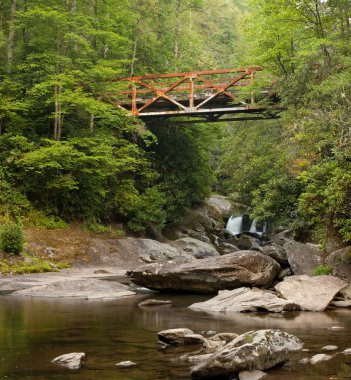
point(34, 331)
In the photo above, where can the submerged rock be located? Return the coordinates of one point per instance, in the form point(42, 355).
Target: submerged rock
point(244, 268)
point(126, 364)
point(151, 302)
point(180, 337)
point(83, 288)
point(72, 360)
point(310, 293)
point(245, 300)
point(252, 375)
point(260, 350)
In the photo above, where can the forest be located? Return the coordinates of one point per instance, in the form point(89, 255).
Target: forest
point(68, 155)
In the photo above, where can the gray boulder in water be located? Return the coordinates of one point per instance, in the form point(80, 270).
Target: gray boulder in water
point(244, 268)
point(310, 293)
point(261, 350)
point(180, 337)
point(245, 300)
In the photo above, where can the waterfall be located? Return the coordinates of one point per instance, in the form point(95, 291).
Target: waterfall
point(234, 225)
point(240, 224)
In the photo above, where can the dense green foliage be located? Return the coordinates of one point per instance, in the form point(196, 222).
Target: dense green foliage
point(12, 238)
point(67, 153)
point(303, 171)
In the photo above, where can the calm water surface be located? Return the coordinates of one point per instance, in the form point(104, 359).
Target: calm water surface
point(34, 331)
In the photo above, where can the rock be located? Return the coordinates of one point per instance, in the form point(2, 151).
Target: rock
point(346, 293)
point(347, 351)
point(245, 242)
point(225, 248)
point(304, 361)
point(126, 364)
point(230, 271)
point(262, 349)
point(281, 238)
point(213, 345)
point(310, 293)
point(252, 375)
point(319, 358)
point(330, 348)
point(341, 303)
point(151, 302)
point(83, 288)
point(198, 249)
point(340, 261)
point(198, 236)
point(226, 337)
point(303, 258)
point(151, 251)
point(197, 358)
point(73, 360)
point(284, 273)
point(245, 300)
point(180, 337)
point(276, 252)
point(219, 206)
point(337, 328)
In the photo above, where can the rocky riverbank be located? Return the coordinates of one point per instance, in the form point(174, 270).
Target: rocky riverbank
point(251, 273)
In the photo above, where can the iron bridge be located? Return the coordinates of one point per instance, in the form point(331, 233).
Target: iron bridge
point(201, 96)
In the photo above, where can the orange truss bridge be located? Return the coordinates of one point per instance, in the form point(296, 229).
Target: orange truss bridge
point(208, 95)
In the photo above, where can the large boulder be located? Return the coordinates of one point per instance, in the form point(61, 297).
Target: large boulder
point(276, 252)
point(340, 261)
point(303, 258)
point(310, 293)
point(152, 250)
point(219, 206)
point(245, 300)
point(197, 248)
point(244, 268)
point(262, 349)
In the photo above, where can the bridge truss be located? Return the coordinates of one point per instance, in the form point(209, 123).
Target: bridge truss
point(201, 96)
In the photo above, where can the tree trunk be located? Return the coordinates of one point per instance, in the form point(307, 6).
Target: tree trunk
point(177, 35)
point(91, 122)
point(11, 36)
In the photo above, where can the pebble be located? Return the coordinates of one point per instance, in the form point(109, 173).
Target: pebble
point(330, 348)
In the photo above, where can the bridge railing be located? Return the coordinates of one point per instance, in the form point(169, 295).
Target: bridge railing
point(189, 93)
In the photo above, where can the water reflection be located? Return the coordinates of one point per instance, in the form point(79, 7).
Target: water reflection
point(34, 331)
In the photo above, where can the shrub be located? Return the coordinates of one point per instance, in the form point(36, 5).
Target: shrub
point(37, 218)
point(12, 238)
point(95, 227)
point(322, 270)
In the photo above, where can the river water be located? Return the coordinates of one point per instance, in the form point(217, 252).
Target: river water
point(34, 331)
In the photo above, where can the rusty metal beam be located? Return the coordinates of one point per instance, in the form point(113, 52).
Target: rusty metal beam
point(189, 74)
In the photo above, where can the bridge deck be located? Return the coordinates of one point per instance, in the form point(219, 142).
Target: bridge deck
point(206, 94)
